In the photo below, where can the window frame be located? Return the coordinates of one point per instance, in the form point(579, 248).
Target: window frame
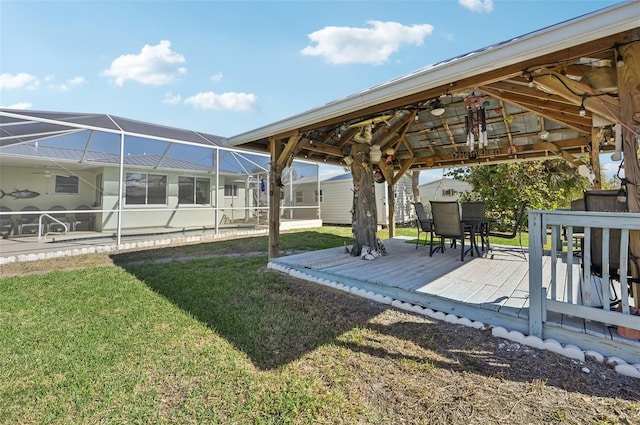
point(57, 184)
point(146, 202)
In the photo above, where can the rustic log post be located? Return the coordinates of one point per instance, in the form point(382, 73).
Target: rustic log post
point(594, 158)
point(391, 199)
point(365, 220)
point(275, 188)
point(629, 91)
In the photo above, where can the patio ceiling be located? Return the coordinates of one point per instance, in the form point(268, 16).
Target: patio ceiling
point(530, 89)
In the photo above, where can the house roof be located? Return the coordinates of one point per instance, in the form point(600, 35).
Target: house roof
point(22, 126)
point(531, 90)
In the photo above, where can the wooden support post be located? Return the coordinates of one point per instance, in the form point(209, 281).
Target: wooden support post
point(391, 189)
point(595, 159)
point(629, 90)
point(275, 189)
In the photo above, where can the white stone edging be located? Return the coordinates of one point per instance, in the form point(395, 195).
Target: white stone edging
point(568, 350)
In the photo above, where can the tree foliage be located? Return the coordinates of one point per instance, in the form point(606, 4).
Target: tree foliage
point(544, 185)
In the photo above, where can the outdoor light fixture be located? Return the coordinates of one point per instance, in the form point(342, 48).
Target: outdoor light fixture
point(437, 109)
point(544, 135)
point(622, 192)
point(582, 110)
point(348, 160)
point(619, 59)
point(375, 154)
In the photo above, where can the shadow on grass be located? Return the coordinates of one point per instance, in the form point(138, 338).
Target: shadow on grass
point(276, 319)
point(478, 352)
point(271, 317)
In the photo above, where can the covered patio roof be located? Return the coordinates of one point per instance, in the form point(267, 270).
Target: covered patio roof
point(549, 93)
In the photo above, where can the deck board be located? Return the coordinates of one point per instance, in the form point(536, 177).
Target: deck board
point(493, 288)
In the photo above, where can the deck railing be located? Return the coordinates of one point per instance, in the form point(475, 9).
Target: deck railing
point(548, 294)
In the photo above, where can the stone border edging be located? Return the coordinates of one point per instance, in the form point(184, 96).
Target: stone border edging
point(568, 350)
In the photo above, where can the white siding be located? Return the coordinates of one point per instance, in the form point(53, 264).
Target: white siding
point(442, 190)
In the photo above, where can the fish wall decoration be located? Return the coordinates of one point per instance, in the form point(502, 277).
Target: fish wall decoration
point(19, 194)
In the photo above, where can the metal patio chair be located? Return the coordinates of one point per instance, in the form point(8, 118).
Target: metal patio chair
point(447, 224)
point(423, 222)
point(607, 200)
point(6, 223)
point(29, 220)
point(519, 215)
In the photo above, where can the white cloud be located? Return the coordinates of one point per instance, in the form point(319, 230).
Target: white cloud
point(171, 99)
point(75, 81)
point(345, 45)
point(225, 101)
point(155, 65)
point(19, 105)
point(477, 5)
point(18, 81)
point(217, 77)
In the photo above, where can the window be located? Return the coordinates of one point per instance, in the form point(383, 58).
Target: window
point(448, 192)
point(67, 184)
point(299, 197)
point(315, 197)
point(230, 190)
point(193, 190)
point(146, 189)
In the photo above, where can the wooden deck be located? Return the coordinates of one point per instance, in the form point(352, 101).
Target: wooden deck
point(494, 291)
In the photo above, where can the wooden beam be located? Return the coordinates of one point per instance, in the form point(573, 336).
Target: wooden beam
point(561, 116)
point(404, 167)
point(319, 147)
point(288, 151)
point(605, 105)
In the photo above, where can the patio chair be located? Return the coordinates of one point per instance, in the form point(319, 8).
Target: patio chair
point(83, 220)
point(519, 215)
point(447, 223)
point(54, 226)
point(423, 222)
point(578, 232)
point(606, 200)
point(6, 223)
point(29, 220)
point(472, 211)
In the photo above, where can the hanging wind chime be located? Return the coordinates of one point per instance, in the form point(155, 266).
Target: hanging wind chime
point(478, 122)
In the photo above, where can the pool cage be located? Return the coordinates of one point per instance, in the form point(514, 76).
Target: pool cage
point(73, 178)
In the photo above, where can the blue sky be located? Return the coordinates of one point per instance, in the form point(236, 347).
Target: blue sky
point(226, 67)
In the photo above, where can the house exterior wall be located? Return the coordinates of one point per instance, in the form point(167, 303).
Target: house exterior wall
point(14, 178)
point(232, 208)
point(442, 190)
point(303, 197)
point(338, 202)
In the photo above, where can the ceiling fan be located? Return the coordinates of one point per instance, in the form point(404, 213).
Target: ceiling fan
point(48, 173)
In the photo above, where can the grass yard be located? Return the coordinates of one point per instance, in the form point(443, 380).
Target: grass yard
point(206, 334)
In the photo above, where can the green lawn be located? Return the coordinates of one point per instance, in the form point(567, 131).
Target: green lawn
point(217, 340)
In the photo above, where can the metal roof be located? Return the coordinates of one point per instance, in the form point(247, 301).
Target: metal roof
point(21, 126)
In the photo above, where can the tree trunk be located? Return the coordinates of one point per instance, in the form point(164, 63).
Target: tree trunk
point(365, 220)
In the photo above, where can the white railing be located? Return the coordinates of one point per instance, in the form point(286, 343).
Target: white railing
point(42, 225)
point(549, 295)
